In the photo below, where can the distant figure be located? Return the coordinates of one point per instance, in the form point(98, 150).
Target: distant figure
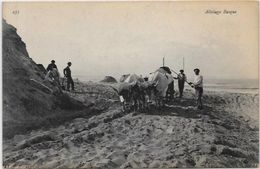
point(67, 74)
point(181, 81)
point(51, 65)
point(198, 86)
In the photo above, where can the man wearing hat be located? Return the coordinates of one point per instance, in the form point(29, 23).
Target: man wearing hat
point(198, 86)
point(51, 65)
point(181, 81)
point(67, 74)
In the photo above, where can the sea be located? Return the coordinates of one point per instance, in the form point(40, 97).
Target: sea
point(232, 85)
point(222, 85)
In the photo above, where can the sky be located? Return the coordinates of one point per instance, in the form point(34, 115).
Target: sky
point(115, 38)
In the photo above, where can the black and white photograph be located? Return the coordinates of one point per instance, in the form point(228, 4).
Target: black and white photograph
point(130, 84)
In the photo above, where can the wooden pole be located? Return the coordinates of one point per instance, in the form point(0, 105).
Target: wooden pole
point(163, 61)
point(183, 63)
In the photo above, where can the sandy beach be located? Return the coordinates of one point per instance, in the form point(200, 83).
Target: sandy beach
point(223, 134)
point(47, 127)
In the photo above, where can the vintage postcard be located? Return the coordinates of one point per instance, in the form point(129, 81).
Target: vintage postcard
point(130, 84)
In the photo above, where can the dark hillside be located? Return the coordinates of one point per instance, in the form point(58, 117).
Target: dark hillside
point(28, 101)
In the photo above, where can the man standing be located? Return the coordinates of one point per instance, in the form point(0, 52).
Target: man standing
point(198, 86)
point(67, 74)
point(51, 65)
point(181, 81)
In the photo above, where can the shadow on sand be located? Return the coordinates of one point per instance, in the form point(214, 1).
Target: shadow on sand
point(183, 108)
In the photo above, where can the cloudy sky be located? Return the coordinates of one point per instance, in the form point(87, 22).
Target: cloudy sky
point(114, 38)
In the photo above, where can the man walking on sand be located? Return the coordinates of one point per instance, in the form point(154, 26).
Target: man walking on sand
point(198, 86)
point(181, 81)
point(67, 74)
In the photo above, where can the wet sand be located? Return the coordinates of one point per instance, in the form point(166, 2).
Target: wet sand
point(223, 134)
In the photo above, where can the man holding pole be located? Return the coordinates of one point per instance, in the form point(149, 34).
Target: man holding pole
point(198, 86)
point(181, 81)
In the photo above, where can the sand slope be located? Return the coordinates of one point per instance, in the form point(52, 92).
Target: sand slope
point(46, 128)
point(177, 136)
point(28, 101)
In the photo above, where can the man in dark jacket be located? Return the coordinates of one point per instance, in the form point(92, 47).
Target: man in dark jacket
point(181, 81)
point(51, 65)
point(67, 74)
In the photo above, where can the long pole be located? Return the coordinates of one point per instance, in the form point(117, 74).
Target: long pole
point(183, 63)
point(163, 61)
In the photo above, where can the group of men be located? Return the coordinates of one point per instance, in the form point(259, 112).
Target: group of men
point(197, 84)
point(53, 75)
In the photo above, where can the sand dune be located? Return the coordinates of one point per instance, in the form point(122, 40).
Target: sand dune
point(46, 128)
point(176, 136)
